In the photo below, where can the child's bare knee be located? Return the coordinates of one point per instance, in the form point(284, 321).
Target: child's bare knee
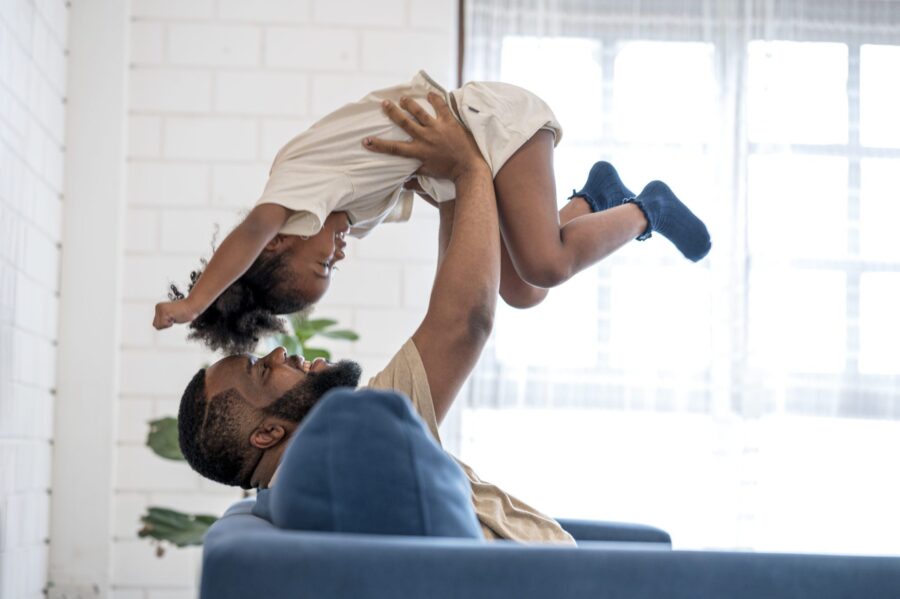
point(546, 274)
point(522, 296)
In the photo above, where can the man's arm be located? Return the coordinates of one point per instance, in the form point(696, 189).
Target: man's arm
point(447, 211)
point(464, 296)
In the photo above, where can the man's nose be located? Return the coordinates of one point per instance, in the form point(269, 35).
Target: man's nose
point(276, 356)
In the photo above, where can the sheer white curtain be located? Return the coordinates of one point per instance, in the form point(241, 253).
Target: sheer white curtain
point(751, 400)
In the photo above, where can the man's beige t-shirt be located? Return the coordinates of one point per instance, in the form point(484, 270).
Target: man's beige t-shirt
point(501, 515)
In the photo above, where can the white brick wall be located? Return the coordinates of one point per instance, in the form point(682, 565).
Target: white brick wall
point(216, 88)
point(32, 127)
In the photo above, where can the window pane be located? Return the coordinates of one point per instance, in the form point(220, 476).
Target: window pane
point(565, 325)
point(879, 323)
point(879, 210)
point(665, 92)
point(798, 206)
point(660, 318)
point(797, 92)
point(797, 320)
point(879, 96)
point(536, 64)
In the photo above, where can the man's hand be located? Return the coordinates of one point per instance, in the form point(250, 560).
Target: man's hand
point(174, 312)
point(446, 149)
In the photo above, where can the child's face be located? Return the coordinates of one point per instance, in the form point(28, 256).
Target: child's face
point(312, 260)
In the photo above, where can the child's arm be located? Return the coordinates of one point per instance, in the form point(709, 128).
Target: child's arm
point(233, 257)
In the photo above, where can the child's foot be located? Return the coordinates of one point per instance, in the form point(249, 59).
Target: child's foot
point(604, 189)
point(673, 220)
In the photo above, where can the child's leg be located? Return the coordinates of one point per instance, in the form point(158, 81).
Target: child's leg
point(516, 292)
point(543, 253)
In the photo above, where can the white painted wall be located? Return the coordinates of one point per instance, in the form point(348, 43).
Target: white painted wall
point(90, 292)
point(32, 129)
point(216, 87)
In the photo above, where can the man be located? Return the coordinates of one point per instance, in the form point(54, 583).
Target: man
point(237, 416)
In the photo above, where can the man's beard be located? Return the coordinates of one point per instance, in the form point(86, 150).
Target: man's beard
point(300, 399)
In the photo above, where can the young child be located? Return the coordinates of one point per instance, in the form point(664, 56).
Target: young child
point(325, 183)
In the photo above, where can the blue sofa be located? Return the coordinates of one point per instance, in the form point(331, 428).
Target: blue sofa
point(354, 441)
point(245, 556)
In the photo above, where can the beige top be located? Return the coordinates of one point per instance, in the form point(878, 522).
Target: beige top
point(501, 515)
point(326, 168)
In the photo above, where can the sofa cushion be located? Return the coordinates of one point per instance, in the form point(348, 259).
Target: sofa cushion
point(261, 507)
point(363, 462)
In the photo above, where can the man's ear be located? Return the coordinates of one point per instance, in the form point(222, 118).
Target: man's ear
point(267, 435)
point(276, 243)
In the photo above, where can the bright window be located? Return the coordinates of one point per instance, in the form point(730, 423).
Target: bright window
point(797, 205)
point(742, 401)
point(797, 92)
point(534, 63)
point(879, 335)
point(664, 92)
point(879, 96)
point(798, 321)
point(879, 200)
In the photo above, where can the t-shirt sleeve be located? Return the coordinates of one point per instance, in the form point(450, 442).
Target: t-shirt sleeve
point(311, 193)
point(441, 190)
point(406, 374)
point(402, 210)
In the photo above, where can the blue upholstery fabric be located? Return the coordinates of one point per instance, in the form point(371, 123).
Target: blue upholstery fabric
point(363, 462)
point(590, 530)
point(245, 556)
point(262, 507)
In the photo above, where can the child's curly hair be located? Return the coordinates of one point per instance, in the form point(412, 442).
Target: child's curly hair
point(248, 309)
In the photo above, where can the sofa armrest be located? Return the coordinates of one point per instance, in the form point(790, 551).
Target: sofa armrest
point(590, 530)
point(582, 530)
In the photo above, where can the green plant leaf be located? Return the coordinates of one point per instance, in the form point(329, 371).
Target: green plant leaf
point(340, 334)
point(303, 335)
point(175, 527)
point(320, 324)
point(289, 343)
point(297, 320)
point(311, 353)
point(163, 438)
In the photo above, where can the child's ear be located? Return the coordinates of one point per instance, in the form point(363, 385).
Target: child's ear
point(277, 243)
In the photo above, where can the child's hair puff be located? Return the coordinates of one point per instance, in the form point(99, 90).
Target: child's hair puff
point(248, 309)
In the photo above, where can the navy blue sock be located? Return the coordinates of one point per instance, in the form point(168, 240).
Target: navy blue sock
point(673, 220)
point(604, 189)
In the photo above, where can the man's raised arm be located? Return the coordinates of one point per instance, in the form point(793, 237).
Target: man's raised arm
point(464, 296)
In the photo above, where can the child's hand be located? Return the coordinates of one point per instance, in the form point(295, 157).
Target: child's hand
point(445, 148)
point(175, 312)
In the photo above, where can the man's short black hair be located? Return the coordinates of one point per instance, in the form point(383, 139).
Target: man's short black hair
point(209, 434)
point(209, 429)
